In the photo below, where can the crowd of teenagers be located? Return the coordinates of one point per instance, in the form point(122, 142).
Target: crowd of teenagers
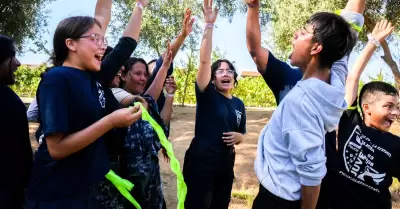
point(325, 146)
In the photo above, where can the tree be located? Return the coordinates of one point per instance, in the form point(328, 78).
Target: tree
point(24, 20)
point(162, 21)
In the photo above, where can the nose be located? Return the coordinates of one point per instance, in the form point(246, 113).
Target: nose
point(17, 62)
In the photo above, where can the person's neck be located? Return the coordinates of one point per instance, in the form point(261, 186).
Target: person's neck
point(226, 94)
point(312, 70)
point(71, 63)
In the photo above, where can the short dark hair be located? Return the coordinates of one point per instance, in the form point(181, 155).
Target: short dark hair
point(128, 66)
point(371, 91)
point(7, 48)
point(217, 64)
point(151, 61)
point(74, 28)
point(334, 34)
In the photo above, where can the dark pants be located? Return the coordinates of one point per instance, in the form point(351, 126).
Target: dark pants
point(267, 200)
point(209, 186)
point(84, 201)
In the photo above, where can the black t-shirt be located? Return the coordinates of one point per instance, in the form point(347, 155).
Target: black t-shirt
point(70, 100)
point(16, 154)
point(216, 114)
point(367, 159)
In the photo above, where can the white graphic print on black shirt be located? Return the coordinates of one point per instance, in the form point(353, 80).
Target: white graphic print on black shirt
point(359, 162)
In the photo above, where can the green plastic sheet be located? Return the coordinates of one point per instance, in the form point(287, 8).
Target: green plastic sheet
point(123, 186)
point(174, 163)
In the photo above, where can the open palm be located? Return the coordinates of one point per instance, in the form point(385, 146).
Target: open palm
point(382, 30)
point(210, 14)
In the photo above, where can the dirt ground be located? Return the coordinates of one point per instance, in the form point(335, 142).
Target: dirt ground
point(182, 131)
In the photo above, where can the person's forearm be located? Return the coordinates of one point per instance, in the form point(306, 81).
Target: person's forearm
point(63, 147)
point(309, 196)
point(204, 72)
point(133, 28)
point(166, 112)
point(176, 45)
point(354, 76)
point(103, 13)
point(253, 30)
point(157, 85)
point(357, 6)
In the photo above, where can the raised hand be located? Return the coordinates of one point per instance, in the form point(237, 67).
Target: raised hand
point(170, 85)
point(125, 117)
point(187, 23)
point(252, 2)
point(210, 15)
point(382, 30)
point(143, 2)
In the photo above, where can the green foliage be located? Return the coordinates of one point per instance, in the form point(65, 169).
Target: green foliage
point(254, 92)
point(24, 20)
point(27, 80)
point(162, 22)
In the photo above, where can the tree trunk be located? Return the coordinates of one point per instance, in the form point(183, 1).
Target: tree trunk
point(387, 56)
point(187, 80)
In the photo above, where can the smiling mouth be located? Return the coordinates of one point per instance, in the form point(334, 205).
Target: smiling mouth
point(226, 81)
point(99, 57)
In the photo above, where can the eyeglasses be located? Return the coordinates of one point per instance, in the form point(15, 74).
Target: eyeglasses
point(222, 71)
point(99, 39)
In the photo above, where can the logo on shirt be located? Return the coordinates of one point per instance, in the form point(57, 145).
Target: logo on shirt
point(358, 156)
point(102, 99)
point(238, 117)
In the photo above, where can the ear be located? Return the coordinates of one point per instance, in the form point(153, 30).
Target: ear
point(71, 44)
point(316, 49)
point(366, 108)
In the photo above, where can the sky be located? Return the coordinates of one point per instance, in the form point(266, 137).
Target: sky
point(230, 38)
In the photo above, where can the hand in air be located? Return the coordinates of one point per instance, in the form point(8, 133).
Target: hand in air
point(382, 30)
point(170, 85)
point(167, 59)
point(187, 23)
point(125, 117)
point(252, 2)
point(143, 2)
point(233, 138)
point(210, 14)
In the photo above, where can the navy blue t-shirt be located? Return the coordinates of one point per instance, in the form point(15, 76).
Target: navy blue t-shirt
point(280, 77)
point(69, 101)
point(216, 114)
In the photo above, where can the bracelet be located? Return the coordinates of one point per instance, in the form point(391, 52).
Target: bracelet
point(373, 41)
point(170, 95)
point(209, 25)
point(138, 4)
point(252, 5)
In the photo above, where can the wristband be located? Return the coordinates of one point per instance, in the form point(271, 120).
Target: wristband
point(170, 95)
point(373, 41)
point(252, 5)
point(209, 25)
point(138, 4)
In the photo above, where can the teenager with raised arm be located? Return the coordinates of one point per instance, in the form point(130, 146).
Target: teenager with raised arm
point(220, 126)
point(320, 53)
point(72, 160)
point(368, 156)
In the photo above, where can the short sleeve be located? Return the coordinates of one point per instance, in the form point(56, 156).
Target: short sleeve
point(207, 96)
point(349, 116)
point(304, 135)
point(53, 104)
point(120, 94)
point(33, 111)
point(279, 74)
point(242, 127)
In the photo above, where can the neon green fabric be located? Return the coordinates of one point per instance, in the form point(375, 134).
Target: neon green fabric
point(174, 163)
point(354, 26)
point(123, 186)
